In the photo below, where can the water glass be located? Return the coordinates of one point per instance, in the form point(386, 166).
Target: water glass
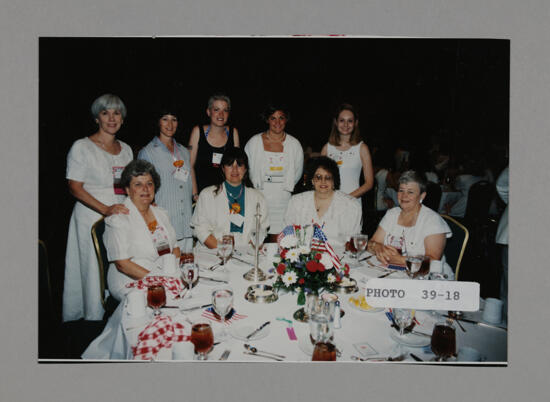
point(222, 301)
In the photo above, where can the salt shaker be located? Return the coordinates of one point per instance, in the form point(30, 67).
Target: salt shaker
point(337, 322)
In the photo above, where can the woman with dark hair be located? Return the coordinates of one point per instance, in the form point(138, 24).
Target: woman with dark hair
point(229, 207)
point(336, 212)
point(350, 153)
point(172, 162)
point(94, 165)
point(208, 143)
point(135, 241)
point(276, 163)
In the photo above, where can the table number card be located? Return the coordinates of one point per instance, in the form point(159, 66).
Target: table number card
point(423, 295)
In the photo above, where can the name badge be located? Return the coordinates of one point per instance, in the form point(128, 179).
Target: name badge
point(236, 219)
point(181, 174)
point(216, 159)
point(117, 173)
point(160, 241)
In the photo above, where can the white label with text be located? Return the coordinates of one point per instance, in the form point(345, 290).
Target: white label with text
point(423, 295)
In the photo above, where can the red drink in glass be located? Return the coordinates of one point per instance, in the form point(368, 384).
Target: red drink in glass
point(443, 341)
point(156, 296)
point(202, 337)
point(324, 352)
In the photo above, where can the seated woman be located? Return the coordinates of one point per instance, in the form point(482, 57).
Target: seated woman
point(338, 214)
point(230, 206)
point(411, 226)
point(135, 241)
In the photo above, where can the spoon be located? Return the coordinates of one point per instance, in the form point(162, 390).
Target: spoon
point(387, 359)
point(255, 350)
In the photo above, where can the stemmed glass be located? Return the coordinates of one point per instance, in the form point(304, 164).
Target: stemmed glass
point(403, 318)
point(225, 248)
point(156, 298)
point(222, 300)
point(190, 273)
point(443, 340)
point(202, 337)
point(360, 242)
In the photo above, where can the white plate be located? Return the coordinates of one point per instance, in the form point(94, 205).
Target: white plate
point(305, 345)
point(372, 310)
point(408, 339)
point(241, 331)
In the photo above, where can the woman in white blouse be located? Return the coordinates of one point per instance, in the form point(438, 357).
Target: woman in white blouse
point(229, 207)
point(337, 213)
point(136, 240)
point(276, 163)
point(411, 227)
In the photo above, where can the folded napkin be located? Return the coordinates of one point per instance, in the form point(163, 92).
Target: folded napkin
point(162, 332)
point(229, 318)
point(172, 285)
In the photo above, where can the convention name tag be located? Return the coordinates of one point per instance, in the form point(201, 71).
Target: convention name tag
point(216, 158)
point(423, 294)
point(181, 174)
point(236, 219)
point(276, 168)
point(117, 173)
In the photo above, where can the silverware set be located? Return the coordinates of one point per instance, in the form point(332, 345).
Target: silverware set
point(380, 359)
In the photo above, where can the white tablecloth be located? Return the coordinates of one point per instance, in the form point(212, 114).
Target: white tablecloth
point(121, 332)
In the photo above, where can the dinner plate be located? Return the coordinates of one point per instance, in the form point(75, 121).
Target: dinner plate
point(409, 339)
point(241, 331)
point(305, 345)
point(371, 310)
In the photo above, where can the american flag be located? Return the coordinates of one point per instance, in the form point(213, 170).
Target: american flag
point(287, 231)
point(319, 242)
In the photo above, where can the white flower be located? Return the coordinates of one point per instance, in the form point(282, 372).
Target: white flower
point(331, 278)
point(293, 255)
point(304, 249)
point(289, 241)
point(277, 259)
point(326, 261)
point(289, 278)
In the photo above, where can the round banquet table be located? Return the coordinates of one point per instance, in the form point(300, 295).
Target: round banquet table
point(369, 332)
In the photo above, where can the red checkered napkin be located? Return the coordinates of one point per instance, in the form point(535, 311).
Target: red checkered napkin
point(162, 332)
point(172, 285)
point(209, 313)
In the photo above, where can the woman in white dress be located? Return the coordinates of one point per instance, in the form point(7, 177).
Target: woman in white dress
point(412, 227)
point(350, 153)
point(276, 164)
point(94, 166)
point(230, 206)
point(136, 240)
point(337, 213)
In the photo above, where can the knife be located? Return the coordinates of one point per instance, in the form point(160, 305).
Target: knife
point(258, 329)
point(261, 355)
point(415, 357)
point(366, 258)
point(213, 280)
point(196, 307)
point(482, 324)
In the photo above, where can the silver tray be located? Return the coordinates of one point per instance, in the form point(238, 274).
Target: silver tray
point(252, 298)
point(352, 288)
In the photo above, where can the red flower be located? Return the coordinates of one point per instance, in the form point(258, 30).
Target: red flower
point(311, 266)
point(320, 267)
point(297, 227)
point(346, 269)
point(301, 281)
point(283, 253)
point(281, 268)
point(318, 256)
point(338, 278)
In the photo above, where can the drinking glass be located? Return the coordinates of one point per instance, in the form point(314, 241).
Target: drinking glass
point(324, 351)
point(156, 298)
point(403, 318)
point(443, 340)
point(360, 242)
point(225, 248)
point(222, 300)
point(261, 237)
point(414, 263)
point(203, 338)
point(190, 273)
point(321, 334)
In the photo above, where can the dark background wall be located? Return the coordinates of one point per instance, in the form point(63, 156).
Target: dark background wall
point(406, 90)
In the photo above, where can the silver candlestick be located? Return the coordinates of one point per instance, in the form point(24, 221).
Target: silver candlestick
point(255, 274)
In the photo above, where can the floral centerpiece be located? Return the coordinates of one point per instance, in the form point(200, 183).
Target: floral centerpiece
point(307, 262)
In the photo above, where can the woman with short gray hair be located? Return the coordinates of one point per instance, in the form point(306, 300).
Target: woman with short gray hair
point(94, 168)
point(411, 228)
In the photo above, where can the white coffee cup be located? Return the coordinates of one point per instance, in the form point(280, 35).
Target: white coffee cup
point(468, 354)
point(270, 249)
point(169, 263)
point(492, 311)
point(183, 351)
point(136, 303)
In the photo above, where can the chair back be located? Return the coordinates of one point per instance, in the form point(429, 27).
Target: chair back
point(456, 245)
point(98, 229)
point(433, 196)
point(480, 196)
point(44, 281)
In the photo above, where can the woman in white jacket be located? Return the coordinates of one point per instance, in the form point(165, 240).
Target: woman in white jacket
point(276, 164)
point(229, 207)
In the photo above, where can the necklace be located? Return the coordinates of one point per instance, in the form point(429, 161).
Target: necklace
point(235, 206)
point(272, 140)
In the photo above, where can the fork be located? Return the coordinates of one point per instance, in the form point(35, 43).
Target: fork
point(225, 354)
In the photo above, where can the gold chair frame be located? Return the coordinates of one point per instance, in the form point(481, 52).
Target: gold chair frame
point(464, 242)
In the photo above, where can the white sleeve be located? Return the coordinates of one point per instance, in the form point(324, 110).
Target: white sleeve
point(77, 162)
point(435, 224)
point(353, 217)
point(502, 185)
point(291, 215)
point(116, 237)
point(200, 222)
point(299, 162)
point(388, 220)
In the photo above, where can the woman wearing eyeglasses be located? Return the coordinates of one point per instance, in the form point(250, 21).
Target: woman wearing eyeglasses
point(337, 213)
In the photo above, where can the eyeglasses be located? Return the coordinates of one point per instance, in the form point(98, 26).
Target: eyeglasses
point(319, 177)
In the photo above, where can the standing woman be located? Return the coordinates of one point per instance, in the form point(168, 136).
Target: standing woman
point(173, 163)
point(350, 153)
point(208, 143)
point(276, 164)
point(94, 168)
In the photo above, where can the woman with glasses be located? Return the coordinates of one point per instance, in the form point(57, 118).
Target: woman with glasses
point(337, 213)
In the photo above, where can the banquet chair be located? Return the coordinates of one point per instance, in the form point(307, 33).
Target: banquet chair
point(456, 245)
point(48, 320)
point(480, 196)
point(433, 196)
point(108, 302)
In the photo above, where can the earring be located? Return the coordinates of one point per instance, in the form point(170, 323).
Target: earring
point(421, 200)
